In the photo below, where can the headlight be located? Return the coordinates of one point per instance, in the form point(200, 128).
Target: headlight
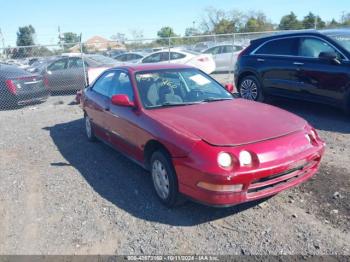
point(224, 160)
point(245, 158)
point(313, 134)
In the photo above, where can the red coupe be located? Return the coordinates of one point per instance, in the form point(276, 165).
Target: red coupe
point(195, 138)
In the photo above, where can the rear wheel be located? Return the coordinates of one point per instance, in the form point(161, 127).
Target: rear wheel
point(250, 88)
point(164, 179)
point(88, 129)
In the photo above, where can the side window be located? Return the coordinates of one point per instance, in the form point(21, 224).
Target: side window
point(103, 84)
point(155, 58)
point(121, 58)
point(75, 63)
point(287, 46)
point(213, 50)
point(312, 47)
point(121, 85)
point(135, 56)
point(58, 65)
point(174, 56)
point(227, 49)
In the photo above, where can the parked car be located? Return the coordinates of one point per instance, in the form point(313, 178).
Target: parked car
point(67, 73)
point(310, 65)
point(203, 62)
point(199, 47)
point(131, 57)
point(224, 55)
point(18, 87)
point(188, 131)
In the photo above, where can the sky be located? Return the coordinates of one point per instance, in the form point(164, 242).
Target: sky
point(108, 17)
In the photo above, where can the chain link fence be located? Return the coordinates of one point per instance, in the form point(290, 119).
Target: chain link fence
point(30, 74)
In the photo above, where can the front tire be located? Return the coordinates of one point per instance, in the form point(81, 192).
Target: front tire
point(164, 179)
point(88, 129)
point(250, 88)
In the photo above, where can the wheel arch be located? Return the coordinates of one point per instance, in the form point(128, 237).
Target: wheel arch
point(151, 147)
point(245, 74)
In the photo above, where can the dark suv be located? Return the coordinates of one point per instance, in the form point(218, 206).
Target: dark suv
point(308, 65)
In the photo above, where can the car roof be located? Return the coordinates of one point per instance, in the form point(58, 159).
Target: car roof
point(311, 32)
point(151, 67)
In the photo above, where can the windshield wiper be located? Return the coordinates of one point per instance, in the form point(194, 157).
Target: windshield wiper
point(168, 104)
point(213, 99)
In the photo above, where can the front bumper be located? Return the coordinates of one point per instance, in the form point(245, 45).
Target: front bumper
point(258, 183)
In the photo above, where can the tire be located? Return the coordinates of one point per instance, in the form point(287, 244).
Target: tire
point(250, 88)
point(164, 179)
point(88, 129)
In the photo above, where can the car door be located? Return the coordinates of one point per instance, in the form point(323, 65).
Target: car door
point(322, 79)
point(226, 57)
point(75, 73)
point(55, 75)
point(97, 104)
point(215, 52)
point(122, 121)
point(276, 63)
point(153, 58)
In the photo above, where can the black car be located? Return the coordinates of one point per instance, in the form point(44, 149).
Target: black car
point(309, 65)
point(18, 87)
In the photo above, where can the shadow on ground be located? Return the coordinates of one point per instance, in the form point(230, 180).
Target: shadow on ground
point(124, 183)
point(322, 117)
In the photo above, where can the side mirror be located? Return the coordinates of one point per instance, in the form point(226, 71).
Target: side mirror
point(329, 56)
point(122, 100)
point(229, 87)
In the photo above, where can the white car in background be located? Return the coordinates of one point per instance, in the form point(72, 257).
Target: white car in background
point(204, 62)
point(224, 55)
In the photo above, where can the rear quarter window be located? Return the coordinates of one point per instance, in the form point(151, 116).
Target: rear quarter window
point(286, 46)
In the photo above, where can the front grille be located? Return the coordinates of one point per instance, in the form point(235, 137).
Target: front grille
point(279, 179)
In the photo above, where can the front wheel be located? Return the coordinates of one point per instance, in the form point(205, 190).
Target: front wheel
point(88, 129)
point(164, 179)
point(250, 88)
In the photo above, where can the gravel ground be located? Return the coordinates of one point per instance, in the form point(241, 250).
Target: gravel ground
point(60, 194)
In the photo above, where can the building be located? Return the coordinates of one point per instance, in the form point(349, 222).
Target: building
point(98, 44)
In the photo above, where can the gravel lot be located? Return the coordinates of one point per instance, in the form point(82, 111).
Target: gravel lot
point(60, 194)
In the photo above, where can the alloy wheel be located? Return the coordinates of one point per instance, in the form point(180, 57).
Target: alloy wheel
point(249, 89)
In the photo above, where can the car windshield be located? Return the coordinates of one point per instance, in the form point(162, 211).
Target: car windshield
point(342, 39)
point(178, 87)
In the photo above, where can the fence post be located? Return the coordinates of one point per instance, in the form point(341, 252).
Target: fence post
point(82, 58)
point(230, 71)
point(169, 49)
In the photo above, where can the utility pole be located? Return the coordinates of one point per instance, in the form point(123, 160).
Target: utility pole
point(3, 43)
point(316, 18)
point(60, 37)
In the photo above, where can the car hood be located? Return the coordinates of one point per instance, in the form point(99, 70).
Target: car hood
point(230, 123)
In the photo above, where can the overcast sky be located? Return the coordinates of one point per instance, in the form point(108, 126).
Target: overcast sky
point(107, 17)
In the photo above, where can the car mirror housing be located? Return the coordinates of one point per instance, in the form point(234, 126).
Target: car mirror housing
point(122, 100)
point(329, 56)
point(229, 87)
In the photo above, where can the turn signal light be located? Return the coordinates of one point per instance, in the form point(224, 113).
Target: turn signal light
point(220, 188)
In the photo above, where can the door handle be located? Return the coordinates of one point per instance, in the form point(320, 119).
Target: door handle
point(260, 60)
point(298, 63)
point(106, 108)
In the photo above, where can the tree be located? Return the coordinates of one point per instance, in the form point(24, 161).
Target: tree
point(165, 32)
point(190, 31)
point(69, 39)
point(257, 22)
point(224, 26)
point(313, 21)
point(25, 37)
point(333, 24)
point(219, 21)
point(290, 22)
point(345, 19)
